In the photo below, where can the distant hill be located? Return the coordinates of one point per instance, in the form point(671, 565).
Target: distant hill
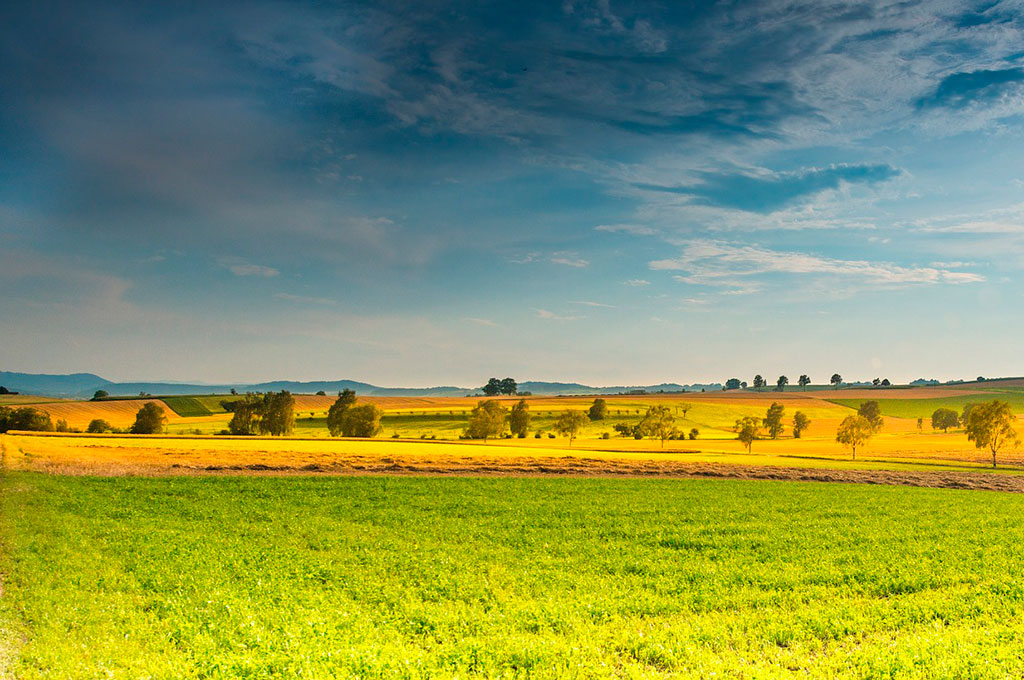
point(84, 385)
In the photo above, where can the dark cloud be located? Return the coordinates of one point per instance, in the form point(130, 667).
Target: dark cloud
point(770, 193)
point(961, 89)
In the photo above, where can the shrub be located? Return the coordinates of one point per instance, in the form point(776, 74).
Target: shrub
point(98, 425)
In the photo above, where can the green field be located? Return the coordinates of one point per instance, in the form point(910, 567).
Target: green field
point(459, 577)
point(187, 407)
point(924, 408)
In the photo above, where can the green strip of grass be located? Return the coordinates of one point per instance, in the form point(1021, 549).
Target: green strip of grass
point(187, 407)
point(924, 408)
point(543, 578)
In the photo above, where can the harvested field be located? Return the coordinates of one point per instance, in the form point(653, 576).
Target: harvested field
point(117, 412)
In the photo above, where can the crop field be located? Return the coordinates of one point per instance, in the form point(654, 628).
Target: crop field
point(118, 412)
point(341, 577)
point(923, 408)
point(187, 407)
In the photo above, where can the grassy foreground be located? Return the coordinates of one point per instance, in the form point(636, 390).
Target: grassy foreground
point(235, 577)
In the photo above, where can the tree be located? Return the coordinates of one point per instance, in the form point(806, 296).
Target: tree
point(336, 413)
point(150, 419)
point(321, 393)
point(100, 394)
point(800, 423)
point(570, 423)
point(773, 419)
point(658, 423)
point(780, 384)
point(362, 420)
point(492, 388)
point(234, 392)
point(694, 433)
point(920, 424)
point(98, 426)
point(732, 384)
point(246, 414)
point(747, 430)
point(4, 390)
point(885, 382)
point(487, 419)
point(945, 418)
point(876, 381)
point(598, 410)
point(804, 381)
point(836, 380)
point(25, 418)
point(519, 418)
point(759, 382)
point(685, 408)
point(990, 425)
point(509, 386)
point(854, 431)
point(278, 414)
point(965, 415)
point(872, 412)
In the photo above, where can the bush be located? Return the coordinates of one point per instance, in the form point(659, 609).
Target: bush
point(551, 435)
point(606, 435)
point(538, 435)
point(98, 426)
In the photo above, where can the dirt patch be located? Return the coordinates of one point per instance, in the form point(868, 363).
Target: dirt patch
point(555, 467)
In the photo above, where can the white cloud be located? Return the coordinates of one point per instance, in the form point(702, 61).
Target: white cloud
point(569, 260)
point(719, 263)
point(240, 267)
point(546, 314)
point(288, 297)
point(634, 229)
point(589, 303)
point(636, 282)
point(481, 322)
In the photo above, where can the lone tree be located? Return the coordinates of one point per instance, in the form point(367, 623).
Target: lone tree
point(836, 380)
point(773, 419)
point(98, 426)
point(854, 431)
point(487, 419)
point(886, 383)
point(658, 423)
point(872, 412)
point(780, 383)
point(570, 423)
point(804, 381)
point(509, 386)
point(758, 382)
point(100, 394)
point(876, 382)
point(685, 408)
point(732, 384)
point(747, 430)
point(149, 420)
point(361, 420)
point(800, 423)
point(598, 410)
point(990, 425)
point(945, 418)
point(336, 414)
point(519, 418)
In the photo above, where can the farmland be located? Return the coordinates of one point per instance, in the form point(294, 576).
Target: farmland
point(418, 577)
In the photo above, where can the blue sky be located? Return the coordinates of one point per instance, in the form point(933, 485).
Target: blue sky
point(437, 192)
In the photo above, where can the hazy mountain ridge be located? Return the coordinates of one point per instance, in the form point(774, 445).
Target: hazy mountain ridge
point(84, 385)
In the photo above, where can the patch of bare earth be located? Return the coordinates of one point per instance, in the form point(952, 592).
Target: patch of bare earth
point(555, 467)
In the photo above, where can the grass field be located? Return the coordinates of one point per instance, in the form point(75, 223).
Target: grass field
point(421, 578)
point(923, 408)
point(187, 407)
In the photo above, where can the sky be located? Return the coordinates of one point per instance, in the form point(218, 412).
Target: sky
point(433, 193)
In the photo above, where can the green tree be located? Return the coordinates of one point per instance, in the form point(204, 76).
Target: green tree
point(945, 418)
point(150, 419)
point(758, 382)
point(598, 410)
point(773, 419)
point(100, 394)
point(872, 412)
point(854, 431)
point(26, 419)
point(804, 381)
point(487, 419)
point(98, 426)
point(685, 408)
point(748, 429)
point(246, 414)
point(836, 380)
point(62, 426)
point(990, 425)
point(732, 384)
point(920, 424)
point(509, 386)
point(336, 413)
point(694, 433)
point(800, 423)
point(278, 414)
point(658, 423)
point(780, 384)
point(361, 420)
point(492, 388)
point(519, 419)
point(965, 415)
point(570, 423)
